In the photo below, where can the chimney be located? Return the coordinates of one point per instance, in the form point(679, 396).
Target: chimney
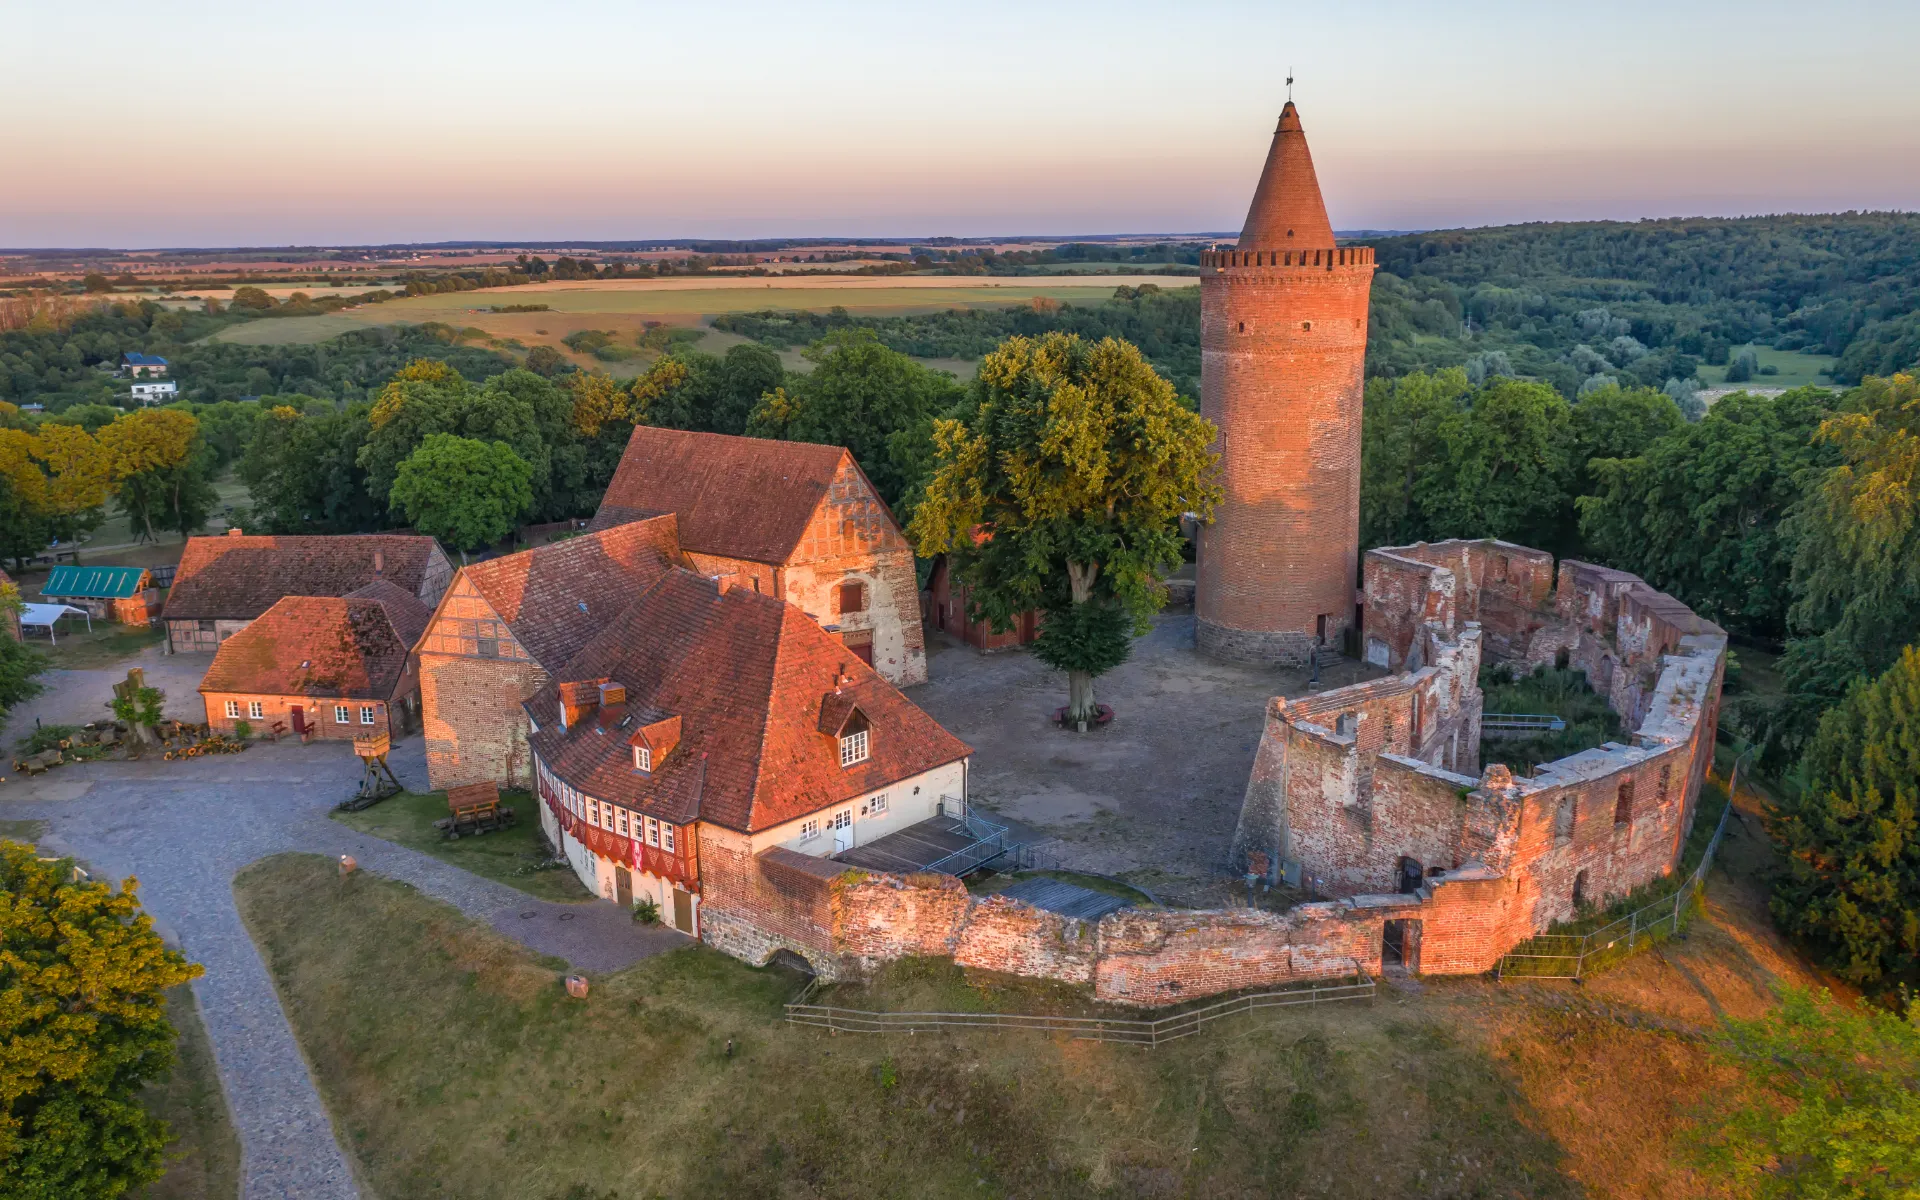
point(235, 531)
point(578, 701)
point(379, 563)
point(612, 695)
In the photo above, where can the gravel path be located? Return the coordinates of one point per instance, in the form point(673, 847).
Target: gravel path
point(185, 829)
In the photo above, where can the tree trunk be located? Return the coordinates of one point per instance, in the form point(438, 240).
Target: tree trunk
point(1080, 708)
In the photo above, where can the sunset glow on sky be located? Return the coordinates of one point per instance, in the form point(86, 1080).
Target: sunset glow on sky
point(225, 123)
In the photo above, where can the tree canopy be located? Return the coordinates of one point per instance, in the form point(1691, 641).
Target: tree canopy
point(466, 492)
point(84, 1028)
point(1062, 490)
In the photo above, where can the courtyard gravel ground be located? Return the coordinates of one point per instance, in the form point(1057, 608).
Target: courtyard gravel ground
point(1153, 797)
point(185, 829)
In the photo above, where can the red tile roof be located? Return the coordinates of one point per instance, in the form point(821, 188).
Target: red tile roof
point(740, 497)
point(555, 597)
point(747, 675)
point(238, 578)
point(404, 611)
point(329, 646)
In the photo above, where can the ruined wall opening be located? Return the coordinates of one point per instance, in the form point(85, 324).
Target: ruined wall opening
point(1582, 891)
point(1400, 945)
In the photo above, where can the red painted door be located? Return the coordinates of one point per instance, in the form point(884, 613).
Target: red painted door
point(299, 720)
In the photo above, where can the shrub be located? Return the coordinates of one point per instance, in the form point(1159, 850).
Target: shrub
point(646, 910)
point(243, 729)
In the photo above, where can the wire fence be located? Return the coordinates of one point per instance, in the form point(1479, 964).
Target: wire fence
point(1128, 1031)
point(1575, 956)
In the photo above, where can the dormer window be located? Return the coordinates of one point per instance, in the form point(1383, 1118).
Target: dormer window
point(853, 747)
point(642, 758)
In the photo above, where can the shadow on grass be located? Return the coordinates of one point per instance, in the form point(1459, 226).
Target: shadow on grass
point(516, 856)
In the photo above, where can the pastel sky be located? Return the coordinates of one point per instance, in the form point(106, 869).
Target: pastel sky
point(222, 123)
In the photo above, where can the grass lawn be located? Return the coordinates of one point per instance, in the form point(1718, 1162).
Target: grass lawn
point(505, 855)
point(203, 1159)
point(454, 1065)
point(109, 642)
point(1795, 369)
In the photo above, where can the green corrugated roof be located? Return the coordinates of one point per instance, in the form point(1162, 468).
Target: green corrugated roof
point(96, 583)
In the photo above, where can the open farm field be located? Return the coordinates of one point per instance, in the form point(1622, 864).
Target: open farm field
point(288, 331)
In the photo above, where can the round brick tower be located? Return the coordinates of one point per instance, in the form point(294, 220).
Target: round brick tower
point(1283, 343)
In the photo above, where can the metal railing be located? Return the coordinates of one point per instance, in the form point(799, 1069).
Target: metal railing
point(990, 842)
point(1575, 956)
point(1128, 1031)
point(1545, 722)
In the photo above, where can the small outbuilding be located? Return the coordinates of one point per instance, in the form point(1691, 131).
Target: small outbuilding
point(123, 594)
point(322, 667)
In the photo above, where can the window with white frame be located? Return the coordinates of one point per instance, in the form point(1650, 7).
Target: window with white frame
point(366, 714)
point(843, 819)
point(653, 832)
point(809, 830)
point(340, 715)
point(233, 708)
point(642, 759)
point(875, 807)
point(853, 748)
point(256, 710)
point(666, 837)
point(623, 822)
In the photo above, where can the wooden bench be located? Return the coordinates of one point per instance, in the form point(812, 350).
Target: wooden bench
point(474, 809)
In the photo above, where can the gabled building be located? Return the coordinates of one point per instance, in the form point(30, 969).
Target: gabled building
point(225, 583)
point(134, 363)
point(710, 736)
point(505, 626)
point(788, 519)
point(123, 594)
point(322, 666)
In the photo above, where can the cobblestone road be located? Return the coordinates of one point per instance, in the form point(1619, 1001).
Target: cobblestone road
point(185, 829)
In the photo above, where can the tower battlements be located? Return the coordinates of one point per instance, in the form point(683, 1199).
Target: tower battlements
point(1325, 260)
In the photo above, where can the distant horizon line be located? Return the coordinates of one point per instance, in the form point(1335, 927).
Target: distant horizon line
point(774, 242)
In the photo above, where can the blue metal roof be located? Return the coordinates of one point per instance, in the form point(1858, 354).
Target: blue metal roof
point(136, 359)
point(94, 583)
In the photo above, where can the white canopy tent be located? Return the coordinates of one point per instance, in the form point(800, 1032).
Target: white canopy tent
point(47, 614)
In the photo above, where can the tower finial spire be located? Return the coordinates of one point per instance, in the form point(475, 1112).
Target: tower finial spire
point(1289, 85)
point(1287, 212)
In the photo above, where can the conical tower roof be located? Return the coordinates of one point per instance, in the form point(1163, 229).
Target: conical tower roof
point(1287, 212)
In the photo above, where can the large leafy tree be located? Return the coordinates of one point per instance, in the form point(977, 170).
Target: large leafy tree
point(158, 465)
point(304, 474)
point(1852, 833)
point(465, 492)
point(1698, 511)
point(82, 1028)
point(1504, 469)
point(1062, 490)
point(860, 395)
point(1400, 445)
point(1856, 569)
point(1830, 1106)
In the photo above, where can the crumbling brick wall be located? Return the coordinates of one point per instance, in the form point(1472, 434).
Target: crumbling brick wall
point(754, 906)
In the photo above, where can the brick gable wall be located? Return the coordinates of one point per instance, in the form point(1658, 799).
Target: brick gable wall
point(470, 701)
point(853, 538)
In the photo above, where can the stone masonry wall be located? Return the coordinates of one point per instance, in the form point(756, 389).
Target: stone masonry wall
point(853, 538)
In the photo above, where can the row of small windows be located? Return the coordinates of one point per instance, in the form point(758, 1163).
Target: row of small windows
point(873, 806)
point(342, 714)
point(602, 814)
